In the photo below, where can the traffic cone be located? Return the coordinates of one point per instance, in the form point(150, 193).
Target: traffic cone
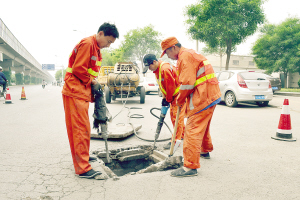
point(23, 96)
point(284, 131)
point(7, 97)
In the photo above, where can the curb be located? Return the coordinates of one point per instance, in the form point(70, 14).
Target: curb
point(295, 94)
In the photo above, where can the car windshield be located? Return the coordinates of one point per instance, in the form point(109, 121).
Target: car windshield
point(253, 76)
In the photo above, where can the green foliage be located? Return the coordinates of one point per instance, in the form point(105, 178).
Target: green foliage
point(58, 75)
point(216, 50)
point(299, 82)
point(141, 41)
point(224, 23)
point(32, 80)
point(112, 56)
point(278, 48)
point(19, 79)
point(27, 79)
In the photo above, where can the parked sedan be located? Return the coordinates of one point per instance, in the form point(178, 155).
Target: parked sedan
point(275, 83)
point(149, 83)
point(244, 86)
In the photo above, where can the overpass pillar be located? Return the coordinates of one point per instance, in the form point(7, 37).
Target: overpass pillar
point(27, 76)
point(19, 73)
point(33, 75)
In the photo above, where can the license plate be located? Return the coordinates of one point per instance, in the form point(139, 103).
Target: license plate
point(275, 88)
point(259, 97)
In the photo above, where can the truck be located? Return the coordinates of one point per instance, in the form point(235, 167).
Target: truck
point(121, 80)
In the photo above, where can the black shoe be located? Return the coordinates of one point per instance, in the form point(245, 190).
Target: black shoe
point(167, 146)
point(90, 174)
point(182, 173)
point(92, 159)
point(205, 155)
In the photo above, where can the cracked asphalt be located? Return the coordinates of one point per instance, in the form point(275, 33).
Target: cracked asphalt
point(35, 159)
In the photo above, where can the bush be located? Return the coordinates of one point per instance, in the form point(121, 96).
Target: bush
point(299, 82)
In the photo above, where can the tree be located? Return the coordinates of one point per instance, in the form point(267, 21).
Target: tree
point(141, 41)
point(224, 23)
point(112, 56)
point(58, 74)
point(278, 48)
point(220, 51)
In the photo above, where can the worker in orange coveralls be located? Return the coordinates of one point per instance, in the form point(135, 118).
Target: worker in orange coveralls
point(200, 90)
point(84, 65)
point(167, 78)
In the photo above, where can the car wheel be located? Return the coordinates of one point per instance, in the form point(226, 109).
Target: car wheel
point(107, 94)
point(142, 96)
point(230, 99)
point(262, 103)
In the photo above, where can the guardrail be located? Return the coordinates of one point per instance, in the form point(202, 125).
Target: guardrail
point(13, 42)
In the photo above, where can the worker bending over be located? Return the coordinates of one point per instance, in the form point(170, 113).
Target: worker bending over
point(167, 79)
point(200, 90)
point(84, 65)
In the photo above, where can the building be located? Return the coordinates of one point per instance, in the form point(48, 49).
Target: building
point(238, 62)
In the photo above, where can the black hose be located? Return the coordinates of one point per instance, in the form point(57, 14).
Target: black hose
point(148, 140)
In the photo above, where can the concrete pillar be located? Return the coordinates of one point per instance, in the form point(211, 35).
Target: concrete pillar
point(27, 76)
point(19, 74)
point(18, 69)
point(27, 72)
point(7, 65)
point(33, 77)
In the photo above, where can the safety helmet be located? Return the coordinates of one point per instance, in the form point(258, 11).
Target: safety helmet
point(0, 68)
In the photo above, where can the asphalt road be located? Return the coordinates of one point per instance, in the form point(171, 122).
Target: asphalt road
point(246, 163)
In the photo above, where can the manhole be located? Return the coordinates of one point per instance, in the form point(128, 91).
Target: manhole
point(122, 168)
point(136, 160)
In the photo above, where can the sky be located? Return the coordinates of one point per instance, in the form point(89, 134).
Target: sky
point(49, 30)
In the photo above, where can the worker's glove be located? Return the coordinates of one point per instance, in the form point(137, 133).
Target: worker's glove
point(165, 103)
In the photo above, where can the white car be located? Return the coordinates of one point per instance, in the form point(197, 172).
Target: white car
point(244, 86)
point(149, 84)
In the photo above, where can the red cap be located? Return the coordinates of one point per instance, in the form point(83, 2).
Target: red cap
point(167, 43)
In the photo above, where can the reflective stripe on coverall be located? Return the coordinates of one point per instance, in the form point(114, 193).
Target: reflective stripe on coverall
point(199, 88)
point(167, 79)
point(76, 97)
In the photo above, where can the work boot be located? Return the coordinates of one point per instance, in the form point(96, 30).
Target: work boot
point(182, 173)
point(90, 174)
point(167, 146)
point(205, 155)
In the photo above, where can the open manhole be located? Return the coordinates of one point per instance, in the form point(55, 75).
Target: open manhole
point(127, 167)
point(138, 159)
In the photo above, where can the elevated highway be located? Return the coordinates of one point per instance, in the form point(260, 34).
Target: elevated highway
point(15, 57)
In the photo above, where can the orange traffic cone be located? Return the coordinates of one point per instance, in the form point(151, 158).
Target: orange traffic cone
point(23, 96)
point(284, 131)
point(7, 97)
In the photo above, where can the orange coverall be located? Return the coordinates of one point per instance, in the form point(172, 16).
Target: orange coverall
point(199, 89)
point(84, 65)
point(169, 82)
